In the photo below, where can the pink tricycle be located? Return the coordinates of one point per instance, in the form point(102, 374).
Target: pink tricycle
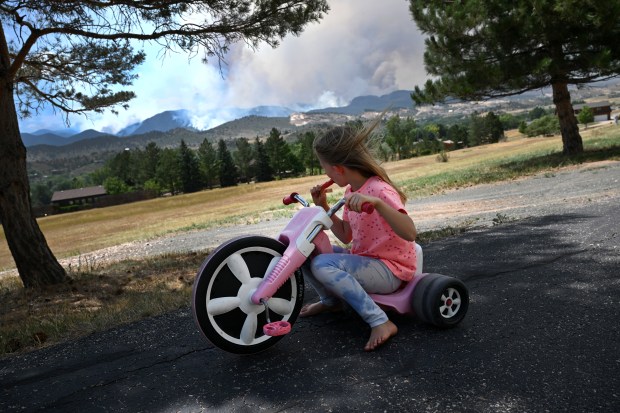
point(249, 291)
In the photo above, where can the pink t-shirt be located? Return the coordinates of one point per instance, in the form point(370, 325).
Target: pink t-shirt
point(372, 235)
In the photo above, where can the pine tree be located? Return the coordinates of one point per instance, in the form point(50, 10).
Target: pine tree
point(484, 49)
point(264, 173)
point(281, 157)
point(124, 166)
point(168, 174)
point(458, 134)
point(228, 170)
point(208, 163)
point(305, 153)
point(485, 129)
point(189, 170)
point(148, 163)
point(244, 159)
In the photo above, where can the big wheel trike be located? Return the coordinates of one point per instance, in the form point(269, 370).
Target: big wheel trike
point(249, 291)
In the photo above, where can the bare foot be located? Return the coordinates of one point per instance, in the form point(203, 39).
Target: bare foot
point(318, 308)
point(380, 334)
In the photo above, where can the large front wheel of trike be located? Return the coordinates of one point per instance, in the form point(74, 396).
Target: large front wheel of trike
point(224, 284)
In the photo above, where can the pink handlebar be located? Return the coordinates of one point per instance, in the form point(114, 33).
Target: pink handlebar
point(368, 208)
point(290, 199)
point(327, 184)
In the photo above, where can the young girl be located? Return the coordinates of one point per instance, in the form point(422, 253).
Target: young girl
point(382, 253)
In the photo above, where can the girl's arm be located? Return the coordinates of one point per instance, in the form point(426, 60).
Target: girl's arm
point(340, 228)
point(401, 223)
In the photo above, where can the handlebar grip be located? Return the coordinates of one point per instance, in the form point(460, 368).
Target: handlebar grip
point(290, 199)
point(368, 208)
point(327, 184)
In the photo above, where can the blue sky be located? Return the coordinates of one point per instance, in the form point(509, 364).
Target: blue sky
point(361, 47)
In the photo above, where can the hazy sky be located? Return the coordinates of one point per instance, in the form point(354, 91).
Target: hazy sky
point(361, 47)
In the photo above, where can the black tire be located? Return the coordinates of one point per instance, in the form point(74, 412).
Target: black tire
point(228, 275)
point(417, 300)
point(440, 300)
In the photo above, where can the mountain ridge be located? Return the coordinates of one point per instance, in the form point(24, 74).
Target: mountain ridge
point(86, 155)
point(399, 99)
point(175, 119)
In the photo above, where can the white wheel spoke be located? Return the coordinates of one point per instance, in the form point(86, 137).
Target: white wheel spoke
point(249, 328)
point(280, 306)
point(239, 268)
point(451, 303)
point(222, 305)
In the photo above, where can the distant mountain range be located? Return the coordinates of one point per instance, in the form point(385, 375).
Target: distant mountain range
point(55, 138)
point(401, 99)
point(180, 119)
point(73, 153)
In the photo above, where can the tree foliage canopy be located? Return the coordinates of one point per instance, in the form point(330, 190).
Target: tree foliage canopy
point(70, 53)
point(487, 48)
point(478, 49)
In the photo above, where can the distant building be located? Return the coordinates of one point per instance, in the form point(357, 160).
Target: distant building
point(77, 197)
point(601, 110)
point(448, 145)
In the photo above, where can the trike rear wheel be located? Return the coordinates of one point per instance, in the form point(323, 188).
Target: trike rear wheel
point(222, 289)
point(440, 300)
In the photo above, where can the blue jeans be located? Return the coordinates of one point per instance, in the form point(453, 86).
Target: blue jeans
point(349, 277)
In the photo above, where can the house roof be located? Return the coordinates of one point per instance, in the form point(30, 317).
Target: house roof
point(78, 193)
point(592, 105)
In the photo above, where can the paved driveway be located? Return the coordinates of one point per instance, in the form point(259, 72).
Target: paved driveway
point(541, 335)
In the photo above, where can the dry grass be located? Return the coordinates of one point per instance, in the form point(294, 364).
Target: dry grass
point(99, 297)
point(94, 300)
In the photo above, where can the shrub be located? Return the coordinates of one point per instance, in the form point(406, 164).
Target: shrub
point(546, 125)
point(442, 156)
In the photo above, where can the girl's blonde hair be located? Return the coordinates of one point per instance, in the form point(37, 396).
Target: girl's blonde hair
point(348, 146)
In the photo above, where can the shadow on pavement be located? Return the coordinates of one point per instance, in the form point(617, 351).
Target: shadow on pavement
point(541, 335)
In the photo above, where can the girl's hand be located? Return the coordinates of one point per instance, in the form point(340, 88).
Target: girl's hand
point(319, 196)
point(355, 201)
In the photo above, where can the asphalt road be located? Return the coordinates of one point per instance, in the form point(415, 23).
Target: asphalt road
point(541, 335)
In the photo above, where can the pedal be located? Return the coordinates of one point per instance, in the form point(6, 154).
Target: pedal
point(277, 328)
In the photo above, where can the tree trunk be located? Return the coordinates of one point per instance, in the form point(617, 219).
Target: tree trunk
point(35, 262)
point(571, 139)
